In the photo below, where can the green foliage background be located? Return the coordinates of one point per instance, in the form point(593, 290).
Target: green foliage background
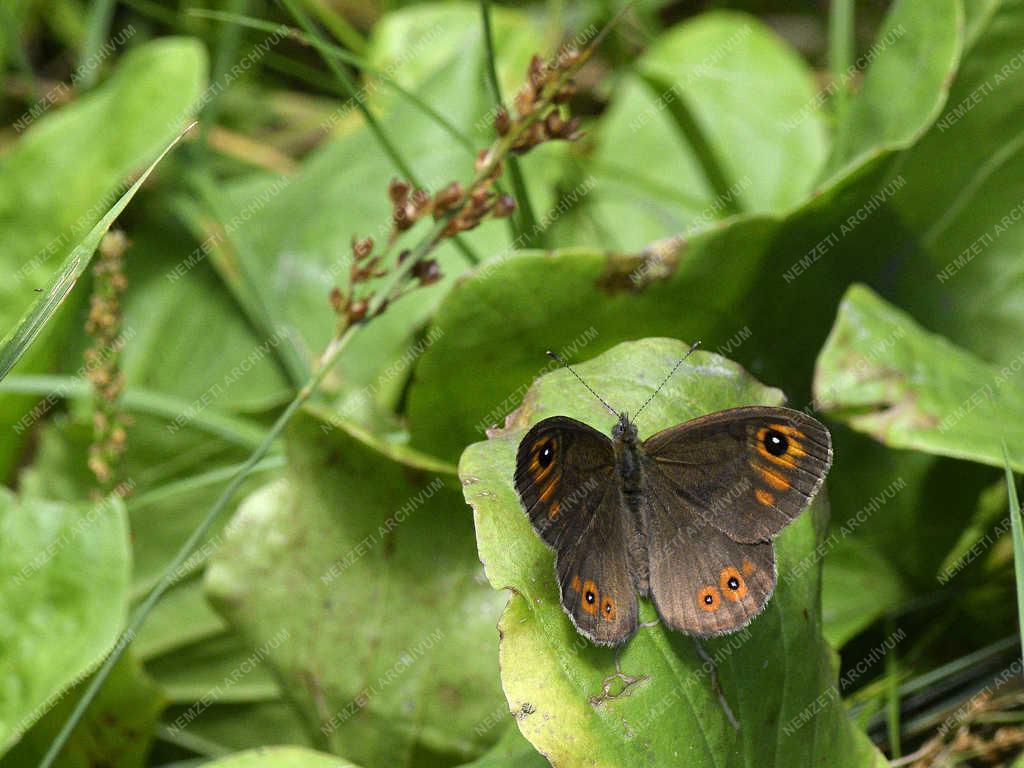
point(830, 199)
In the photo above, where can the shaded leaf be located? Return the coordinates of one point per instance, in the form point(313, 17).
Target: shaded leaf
point(390, 653)
point(116, 731)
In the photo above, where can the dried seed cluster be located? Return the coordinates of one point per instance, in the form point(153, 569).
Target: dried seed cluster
point(103, 360)
point(537, 105)
point(539, 118)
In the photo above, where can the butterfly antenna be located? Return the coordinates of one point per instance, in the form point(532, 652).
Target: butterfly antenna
point(554, 356)
point(670, 373)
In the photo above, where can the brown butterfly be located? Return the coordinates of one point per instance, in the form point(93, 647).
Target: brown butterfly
point(685, 517)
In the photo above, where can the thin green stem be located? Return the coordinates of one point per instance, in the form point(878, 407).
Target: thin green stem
point(233, 429)
point(101, 13)
point(171, 575)
point(340, 27)
point(350, 89)
point(523, 222)
point(840, 52)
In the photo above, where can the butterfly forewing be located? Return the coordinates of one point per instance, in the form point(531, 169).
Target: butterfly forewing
point(563, 469)
point(747, 471)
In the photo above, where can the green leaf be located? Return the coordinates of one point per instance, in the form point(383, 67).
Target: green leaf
point(117, 730)
point(280, 757)
point(572, 706)
point(896, 516)
point(885, 375)
point(65, 575)
point(909, 68)
point(739, 83)
point(401, 657)
point(959, 236)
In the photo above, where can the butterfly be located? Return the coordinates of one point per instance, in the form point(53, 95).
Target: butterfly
point(685, 517)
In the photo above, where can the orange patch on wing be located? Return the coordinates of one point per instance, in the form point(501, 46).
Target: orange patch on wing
point(553, 512)
point(550, 487)
point(589, 590)
point(748, 567)
point(575, 585)
point(709, 599)
point(736, 593)
point(773, 478)
point(608, 609)
point(763, 497)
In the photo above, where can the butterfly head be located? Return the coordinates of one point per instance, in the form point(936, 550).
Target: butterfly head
point(624, 429)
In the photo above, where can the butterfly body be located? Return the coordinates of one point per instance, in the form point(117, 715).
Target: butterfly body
point(685, 517)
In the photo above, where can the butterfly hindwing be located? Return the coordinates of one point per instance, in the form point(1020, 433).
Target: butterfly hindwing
point(747, 471)
point(702, 582)
point(594, 576)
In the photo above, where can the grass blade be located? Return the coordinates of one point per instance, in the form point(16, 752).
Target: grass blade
point(17, 342)
point(1018, 540)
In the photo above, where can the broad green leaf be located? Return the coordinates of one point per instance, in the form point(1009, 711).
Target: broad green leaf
point(740, 84)
point(65, 575)
point(281, 757)
point(885, 375)
point(778, 675)
point(909, 68)
point(390, 652)
point(117, 729)
point(67, 170)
